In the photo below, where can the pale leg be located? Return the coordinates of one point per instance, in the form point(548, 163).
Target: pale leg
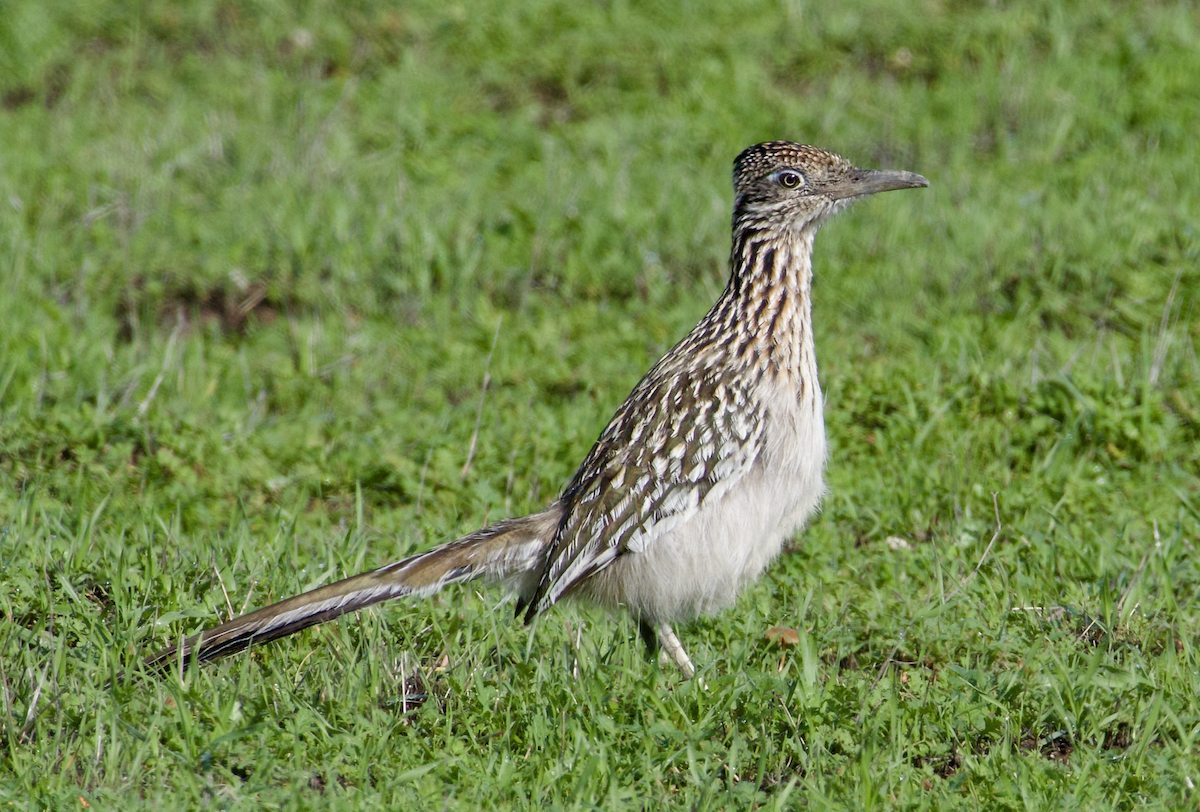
point(671, 647)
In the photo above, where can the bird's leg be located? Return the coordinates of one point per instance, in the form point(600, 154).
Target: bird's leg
point(670, 647)
point(649, 636)
point(660, 639)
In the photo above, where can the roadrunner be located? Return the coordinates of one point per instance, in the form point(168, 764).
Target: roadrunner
point(713, 460)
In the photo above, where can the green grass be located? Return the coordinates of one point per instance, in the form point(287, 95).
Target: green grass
point(258, 259)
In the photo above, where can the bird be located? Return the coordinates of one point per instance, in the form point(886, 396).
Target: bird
point(711, 463)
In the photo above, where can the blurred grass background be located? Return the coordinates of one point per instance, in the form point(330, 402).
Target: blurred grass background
point(258, 259)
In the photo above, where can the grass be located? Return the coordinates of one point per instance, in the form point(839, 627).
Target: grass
point(259, 258)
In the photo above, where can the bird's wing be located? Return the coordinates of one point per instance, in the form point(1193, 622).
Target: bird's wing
point(683, 437)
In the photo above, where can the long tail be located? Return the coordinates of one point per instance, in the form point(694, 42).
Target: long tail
point(503, 550)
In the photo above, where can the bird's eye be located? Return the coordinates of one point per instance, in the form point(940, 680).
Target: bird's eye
point(790, 180)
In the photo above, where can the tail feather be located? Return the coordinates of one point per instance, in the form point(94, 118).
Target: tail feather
point(507, 549)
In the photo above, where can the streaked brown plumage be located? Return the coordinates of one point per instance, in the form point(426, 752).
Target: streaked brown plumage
point(711, 462)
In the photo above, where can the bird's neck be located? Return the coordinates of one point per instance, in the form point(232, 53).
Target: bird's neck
point(768, 305)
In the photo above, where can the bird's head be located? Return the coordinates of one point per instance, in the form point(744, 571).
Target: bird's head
point(780, 184)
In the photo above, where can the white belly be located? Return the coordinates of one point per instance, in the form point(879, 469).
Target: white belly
point(700, 566)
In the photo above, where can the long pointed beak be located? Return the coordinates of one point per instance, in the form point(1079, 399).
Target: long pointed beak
point(859, 182)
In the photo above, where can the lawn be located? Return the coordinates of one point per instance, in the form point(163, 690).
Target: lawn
point(293, 290)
